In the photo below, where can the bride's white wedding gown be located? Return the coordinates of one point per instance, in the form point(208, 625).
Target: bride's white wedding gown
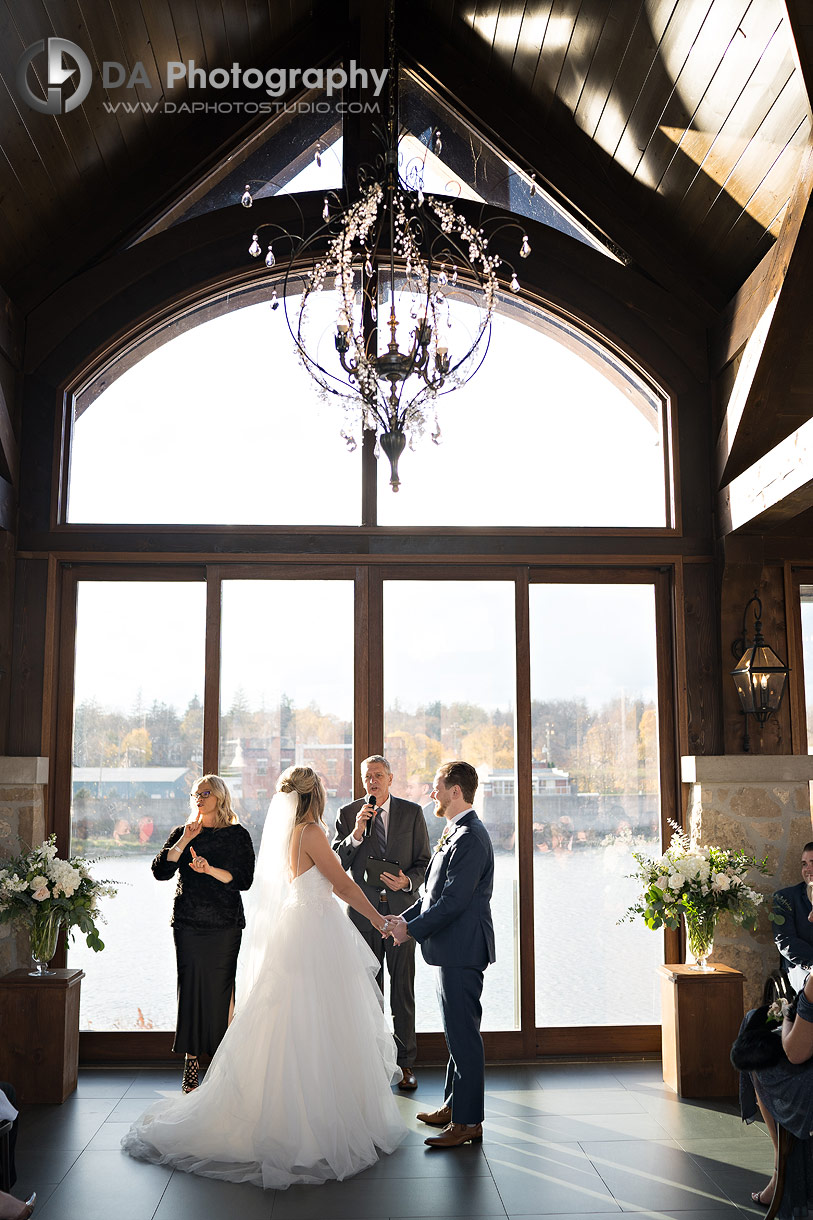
point(299, 1089)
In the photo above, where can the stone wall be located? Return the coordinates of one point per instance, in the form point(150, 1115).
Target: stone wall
point(22, 825)
point(762, 804)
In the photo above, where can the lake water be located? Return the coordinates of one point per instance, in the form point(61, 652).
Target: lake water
point(589, 969)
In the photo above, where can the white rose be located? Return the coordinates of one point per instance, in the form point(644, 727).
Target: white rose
point(41, 894)
point(38, 882)
point(720, 882)
point(677, 881)
point(661, 882)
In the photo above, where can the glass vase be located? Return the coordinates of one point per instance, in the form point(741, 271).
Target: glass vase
point(44, 933)
point(700, 939)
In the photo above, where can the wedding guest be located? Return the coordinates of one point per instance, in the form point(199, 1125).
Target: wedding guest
point(452, 924)
point(784, 1095)
point(213, 858)
point(794, 937)
point(396, 832)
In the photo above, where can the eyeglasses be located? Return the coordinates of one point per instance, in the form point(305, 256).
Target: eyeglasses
point(201, 796)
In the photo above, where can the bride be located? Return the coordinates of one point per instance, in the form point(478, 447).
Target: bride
point(299, 1088)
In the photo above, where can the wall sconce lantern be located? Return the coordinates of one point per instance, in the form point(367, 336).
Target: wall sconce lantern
point(759, 675)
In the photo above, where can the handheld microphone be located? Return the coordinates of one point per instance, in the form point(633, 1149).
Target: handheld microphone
point(368, 826)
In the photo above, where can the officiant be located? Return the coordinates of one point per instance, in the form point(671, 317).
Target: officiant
point(383, 842)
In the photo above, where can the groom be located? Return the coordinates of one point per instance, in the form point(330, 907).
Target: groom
point(452, 924)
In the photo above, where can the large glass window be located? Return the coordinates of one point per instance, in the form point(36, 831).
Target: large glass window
point(137, 745)
point(449, 691)
point(215, 412)
point(214, 422)
point(286, 693)
point(551, 431)
point(595, 799)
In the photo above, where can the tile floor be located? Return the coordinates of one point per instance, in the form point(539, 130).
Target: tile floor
point(561, 1141)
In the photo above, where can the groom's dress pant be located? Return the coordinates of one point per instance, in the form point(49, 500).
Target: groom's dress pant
point(459, 991)
point(401, 967)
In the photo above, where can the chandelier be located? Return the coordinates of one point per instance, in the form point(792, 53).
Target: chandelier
point(415, 284)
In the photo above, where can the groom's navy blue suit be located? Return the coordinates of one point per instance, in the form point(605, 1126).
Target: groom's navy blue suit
point(452, 924)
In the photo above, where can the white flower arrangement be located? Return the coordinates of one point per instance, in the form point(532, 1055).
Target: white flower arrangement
point(39, 884)
point(698, 883)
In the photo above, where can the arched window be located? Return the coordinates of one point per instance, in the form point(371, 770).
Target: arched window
point(218, 423)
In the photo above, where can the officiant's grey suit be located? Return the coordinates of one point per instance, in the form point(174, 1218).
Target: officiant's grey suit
point(408, 843)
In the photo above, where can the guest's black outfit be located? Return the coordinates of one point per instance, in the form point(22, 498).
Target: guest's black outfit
point(786, 1090)
point(207, 921)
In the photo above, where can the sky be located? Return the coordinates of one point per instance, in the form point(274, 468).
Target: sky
point(452, 641)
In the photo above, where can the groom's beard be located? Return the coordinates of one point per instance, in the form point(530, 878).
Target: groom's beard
point(440, 810)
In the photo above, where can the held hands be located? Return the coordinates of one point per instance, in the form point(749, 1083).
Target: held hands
point(396, 927)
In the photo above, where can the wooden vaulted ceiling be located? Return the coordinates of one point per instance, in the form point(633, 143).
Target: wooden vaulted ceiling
point(677, 126)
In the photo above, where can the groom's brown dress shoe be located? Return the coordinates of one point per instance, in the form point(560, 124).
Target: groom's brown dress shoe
point(455, 1135)
point(408, 1079)
point(436, 1118)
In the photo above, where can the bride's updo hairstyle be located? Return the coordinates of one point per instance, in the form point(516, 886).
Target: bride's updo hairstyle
point(310, 793)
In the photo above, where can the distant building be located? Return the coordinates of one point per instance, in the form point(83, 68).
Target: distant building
point(545, 780)
point(257, 763)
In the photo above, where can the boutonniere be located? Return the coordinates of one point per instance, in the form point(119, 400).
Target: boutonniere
point(439, 845)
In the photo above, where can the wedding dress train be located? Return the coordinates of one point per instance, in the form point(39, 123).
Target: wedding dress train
point(299, 1089)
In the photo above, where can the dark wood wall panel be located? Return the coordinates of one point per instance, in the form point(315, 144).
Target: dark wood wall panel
point(11, 342)
point(746, 571)
point(7, 566)
point(701, 618)
point(28, 657)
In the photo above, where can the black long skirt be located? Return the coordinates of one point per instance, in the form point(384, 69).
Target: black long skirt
point(207, 963)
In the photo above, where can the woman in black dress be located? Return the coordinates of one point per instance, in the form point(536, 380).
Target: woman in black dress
point(784, 1094)
point(214, 860)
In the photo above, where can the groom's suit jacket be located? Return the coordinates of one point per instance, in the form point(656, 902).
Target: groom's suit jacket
point(794, 937)
point(407, 842)
point(452, 922)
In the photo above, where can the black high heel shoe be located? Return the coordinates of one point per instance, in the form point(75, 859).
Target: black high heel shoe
point(190, 1074)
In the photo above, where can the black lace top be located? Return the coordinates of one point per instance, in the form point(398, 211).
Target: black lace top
point(201, 901)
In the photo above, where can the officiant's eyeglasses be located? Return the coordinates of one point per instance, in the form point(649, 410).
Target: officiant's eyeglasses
point(201, 796)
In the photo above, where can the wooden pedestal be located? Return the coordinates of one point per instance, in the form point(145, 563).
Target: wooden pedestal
point(39, 1034)
point(701, 1018)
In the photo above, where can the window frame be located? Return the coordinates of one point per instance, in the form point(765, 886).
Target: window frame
point(529, 1041)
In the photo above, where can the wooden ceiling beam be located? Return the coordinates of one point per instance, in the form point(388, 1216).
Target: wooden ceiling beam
point(778, 317)
point(773, 491)
point(800, 20)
